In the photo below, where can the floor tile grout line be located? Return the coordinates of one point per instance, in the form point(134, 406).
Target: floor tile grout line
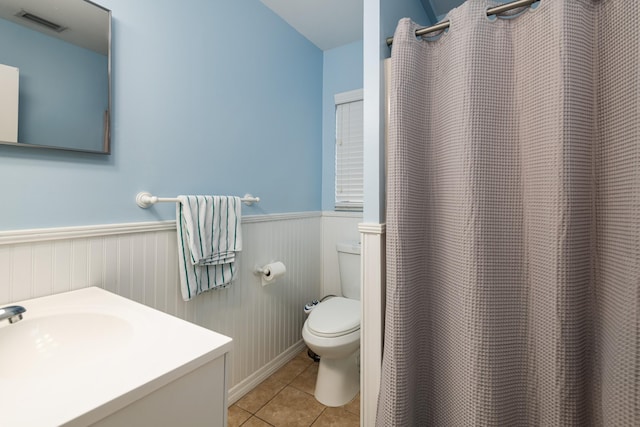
point(287, 384)
point(273, 397)
point(266, 422)
point(319, 415)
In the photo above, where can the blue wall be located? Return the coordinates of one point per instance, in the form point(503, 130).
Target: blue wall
point(342, 73)
point(213, 97)
point(63, 88)
point(391, 11)
point(380, 21)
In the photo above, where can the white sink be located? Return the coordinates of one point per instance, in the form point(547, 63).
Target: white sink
point(53, 343)
point(79, 357)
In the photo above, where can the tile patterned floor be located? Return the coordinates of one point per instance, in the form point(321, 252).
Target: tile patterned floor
point(286, 399)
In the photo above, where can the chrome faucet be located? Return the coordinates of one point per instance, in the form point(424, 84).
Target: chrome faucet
point(13, 313)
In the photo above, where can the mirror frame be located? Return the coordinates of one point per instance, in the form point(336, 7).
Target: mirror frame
point(106, 147)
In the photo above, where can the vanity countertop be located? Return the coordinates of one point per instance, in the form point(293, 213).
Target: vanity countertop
point(79, 356)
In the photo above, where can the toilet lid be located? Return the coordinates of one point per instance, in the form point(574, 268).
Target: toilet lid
point(335, 317)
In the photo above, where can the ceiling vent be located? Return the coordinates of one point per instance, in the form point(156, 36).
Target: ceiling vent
point(35, 19)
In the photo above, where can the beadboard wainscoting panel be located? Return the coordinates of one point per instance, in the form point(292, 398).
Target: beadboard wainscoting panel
point(141, 264)
point(5, 274)
point(373, 294)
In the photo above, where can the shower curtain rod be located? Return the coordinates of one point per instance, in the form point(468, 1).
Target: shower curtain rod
point(491, 11)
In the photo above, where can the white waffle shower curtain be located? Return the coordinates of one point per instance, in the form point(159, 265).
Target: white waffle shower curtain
point(513, 218)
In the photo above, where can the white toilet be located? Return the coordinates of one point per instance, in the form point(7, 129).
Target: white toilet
point(332, 331)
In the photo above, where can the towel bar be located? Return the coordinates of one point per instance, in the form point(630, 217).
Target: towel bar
point(144, 199)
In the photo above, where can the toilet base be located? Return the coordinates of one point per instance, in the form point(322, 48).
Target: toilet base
point(338, 380)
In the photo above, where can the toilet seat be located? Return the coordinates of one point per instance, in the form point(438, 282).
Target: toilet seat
point(335, 317)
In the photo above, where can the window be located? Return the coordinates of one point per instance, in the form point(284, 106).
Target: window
point(349, 151)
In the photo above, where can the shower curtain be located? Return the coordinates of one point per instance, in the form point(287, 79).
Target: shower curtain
point(513, 220)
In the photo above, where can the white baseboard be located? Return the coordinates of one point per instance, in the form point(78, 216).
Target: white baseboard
point(249, 383)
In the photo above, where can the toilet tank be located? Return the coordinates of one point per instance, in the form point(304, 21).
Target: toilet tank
point(349, 265)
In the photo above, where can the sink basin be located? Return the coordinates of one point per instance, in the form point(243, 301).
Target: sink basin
point(86, 356)
point(56, 342)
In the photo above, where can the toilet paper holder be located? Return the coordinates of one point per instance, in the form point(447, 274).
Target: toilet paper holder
point(261, 270)
point(270, 272)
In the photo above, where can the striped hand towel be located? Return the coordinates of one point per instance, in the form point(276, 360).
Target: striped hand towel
point(209, 235)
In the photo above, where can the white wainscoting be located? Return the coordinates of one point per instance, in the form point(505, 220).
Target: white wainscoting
point(138, 261)
point(372, 318)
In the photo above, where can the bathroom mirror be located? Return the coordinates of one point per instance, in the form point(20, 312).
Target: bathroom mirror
point(55, 78)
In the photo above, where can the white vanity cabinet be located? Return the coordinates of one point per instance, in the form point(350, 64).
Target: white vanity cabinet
point(199, 398)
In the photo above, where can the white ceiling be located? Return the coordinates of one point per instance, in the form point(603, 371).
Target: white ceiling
point(326, 23)
point(333, 23)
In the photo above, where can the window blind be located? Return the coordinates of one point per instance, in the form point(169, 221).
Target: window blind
point(349, 153)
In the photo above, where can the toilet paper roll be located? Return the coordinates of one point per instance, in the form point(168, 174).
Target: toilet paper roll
point(272, 271)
